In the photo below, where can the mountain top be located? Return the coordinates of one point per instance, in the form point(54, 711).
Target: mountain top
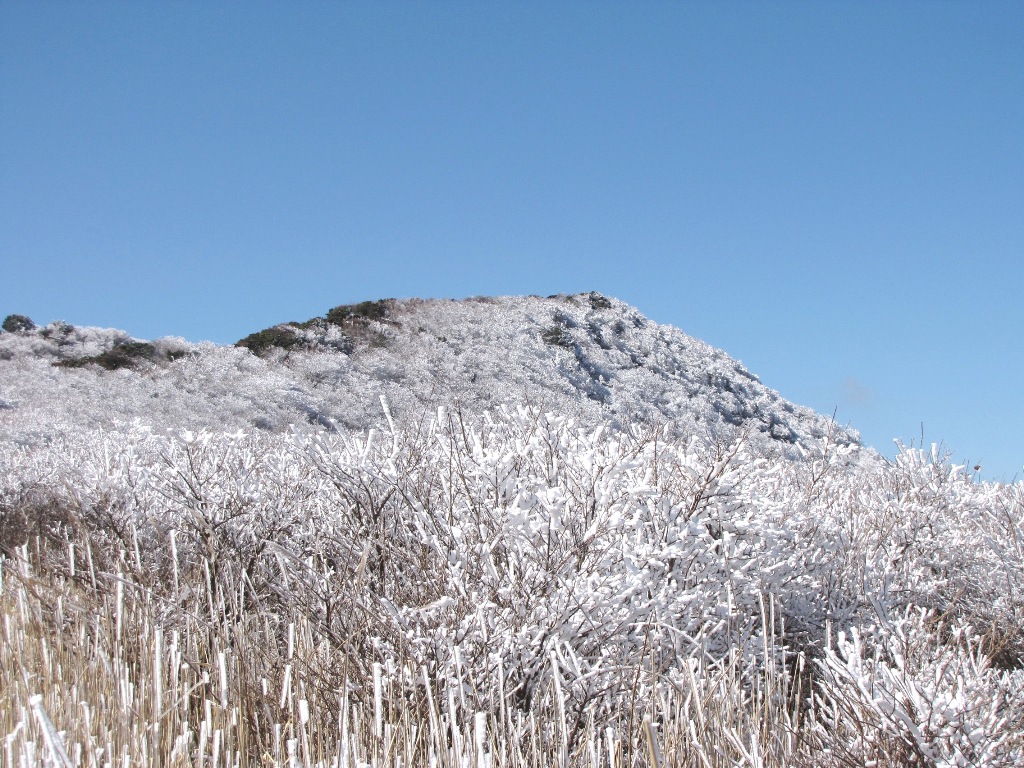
point(585, 355)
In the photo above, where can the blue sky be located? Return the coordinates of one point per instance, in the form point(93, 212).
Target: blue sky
point(831, 192)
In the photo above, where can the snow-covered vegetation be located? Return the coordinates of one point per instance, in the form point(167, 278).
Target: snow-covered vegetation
point(506, 589)
point(470, 586)
point(587, 356)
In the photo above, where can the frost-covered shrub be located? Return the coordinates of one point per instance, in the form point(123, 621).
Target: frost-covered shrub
point(172, 348)
point(18, 324)
point(915, 692)
point(58, 330)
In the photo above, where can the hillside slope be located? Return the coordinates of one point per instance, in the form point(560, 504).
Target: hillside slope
point(593, 358)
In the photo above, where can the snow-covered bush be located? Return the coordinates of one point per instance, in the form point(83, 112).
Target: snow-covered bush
point(913, 691)
point(527, 566)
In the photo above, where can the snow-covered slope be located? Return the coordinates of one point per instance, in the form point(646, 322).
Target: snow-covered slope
point(594, 358)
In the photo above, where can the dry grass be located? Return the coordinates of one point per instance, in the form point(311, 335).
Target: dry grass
point(89, 674)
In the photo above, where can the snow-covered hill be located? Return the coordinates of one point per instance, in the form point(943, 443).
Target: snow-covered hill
point(593, 358)
point(495, 549)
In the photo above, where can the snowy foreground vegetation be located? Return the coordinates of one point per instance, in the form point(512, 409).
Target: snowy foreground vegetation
point(503, 590)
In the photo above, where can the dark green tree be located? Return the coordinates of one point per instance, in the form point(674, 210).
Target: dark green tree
point(16, 323)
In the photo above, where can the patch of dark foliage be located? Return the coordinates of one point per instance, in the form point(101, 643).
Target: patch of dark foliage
point(557, 336)
point(597, 301)
point(364, 311)
point(18, 324)
point(313, 322)
point(125, 354)
point(277, 337)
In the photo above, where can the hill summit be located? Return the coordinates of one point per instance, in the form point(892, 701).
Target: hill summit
point(585, 355)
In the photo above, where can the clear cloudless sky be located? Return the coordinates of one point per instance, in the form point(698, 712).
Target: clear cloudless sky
point(832, 192)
